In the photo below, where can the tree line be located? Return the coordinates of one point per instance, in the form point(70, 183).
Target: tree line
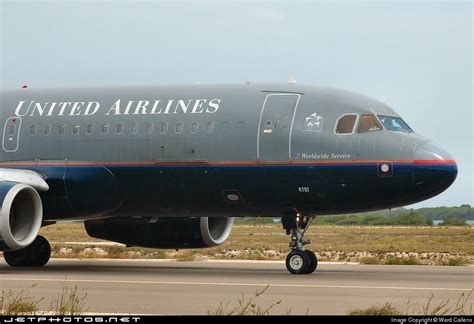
point(452, 216)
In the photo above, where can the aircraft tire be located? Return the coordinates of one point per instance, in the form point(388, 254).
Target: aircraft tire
point(314, 261)
point(35, 255)
point(297, 262)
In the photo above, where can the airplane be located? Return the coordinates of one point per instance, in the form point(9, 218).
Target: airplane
point(172, 166)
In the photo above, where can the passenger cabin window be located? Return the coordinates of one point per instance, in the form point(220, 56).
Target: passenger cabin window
point(345, 124)
point(179, 128)
point(90, 129)
point(47, 129)
point(105, 129)
point(225, 126)
point(61, 129)
point(134, 128)
point(119, 129)
point(368, 123)
point(210, 127)
point(194, 127)
point(33, 129)
point(149, 128)
point(164, 128)
point(75, 129)
point(395, 124)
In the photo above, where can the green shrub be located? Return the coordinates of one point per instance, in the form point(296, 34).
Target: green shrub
point(454, 221)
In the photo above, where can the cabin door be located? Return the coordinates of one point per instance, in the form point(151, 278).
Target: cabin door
point(274, 130)
point(11, 134)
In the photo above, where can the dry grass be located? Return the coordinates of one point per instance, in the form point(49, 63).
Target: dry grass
point(256, 242)
point(246, 306)
point(455, 262)
point(390, 260)
point(19, 303)
point(462, 306)
point(69, 301)
point(383, 310)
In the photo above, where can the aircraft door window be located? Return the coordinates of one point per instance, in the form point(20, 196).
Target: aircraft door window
point(210, 127)
point(345, 124)
point(278, 125)
point(368, 123)
point(11, 130)
point(90, 129)
point(61, 129)
point(164, 128)
point(149, 128)
point(33, 129)
point(47, 129)
point(179, 128)
point(194, 127)
point(134, 129)
point(75, 129)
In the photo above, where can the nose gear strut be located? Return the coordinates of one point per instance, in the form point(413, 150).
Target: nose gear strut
point(299, 260)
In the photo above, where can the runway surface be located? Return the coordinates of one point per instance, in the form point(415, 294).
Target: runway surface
point(157, 287)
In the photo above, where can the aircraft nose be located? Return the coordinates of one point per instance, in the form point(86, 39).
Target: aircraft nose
point(435, 169)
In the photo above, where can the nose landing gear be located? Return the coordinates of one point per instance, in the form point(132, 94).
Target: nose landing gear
point(299, 260)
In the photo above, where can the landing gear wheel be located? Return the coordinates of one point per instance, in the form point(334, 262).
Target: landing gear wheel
point(314, 261)
point(35, 255)
point(298, 262)
point(40, 252)
point(17, 258)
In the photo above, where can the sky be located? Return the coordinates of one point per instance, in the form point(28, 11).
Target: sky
point(415, 56)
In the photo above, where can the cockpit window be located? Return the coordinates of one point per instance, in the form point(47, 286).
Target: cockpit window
point(395, 124)
point(345, 124)
point(368, 123)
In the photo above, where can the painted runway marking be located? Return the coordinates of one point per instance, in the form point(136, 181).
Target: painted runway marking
point(188, 283)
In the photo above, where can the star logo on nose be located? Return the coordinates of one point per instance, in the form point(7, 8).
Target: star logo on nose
point(313, 123)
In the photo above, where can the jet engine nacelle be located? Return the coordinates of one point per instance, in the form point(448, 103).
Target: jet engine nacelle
point(21, 215)
point(166, 232)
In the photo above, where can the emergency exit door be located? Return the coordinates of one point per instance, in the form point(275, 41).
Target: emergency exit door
point(275, 125)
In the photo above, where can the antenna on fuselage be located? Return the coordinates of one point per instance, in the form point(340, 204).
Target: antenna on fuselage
point(290, 77)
